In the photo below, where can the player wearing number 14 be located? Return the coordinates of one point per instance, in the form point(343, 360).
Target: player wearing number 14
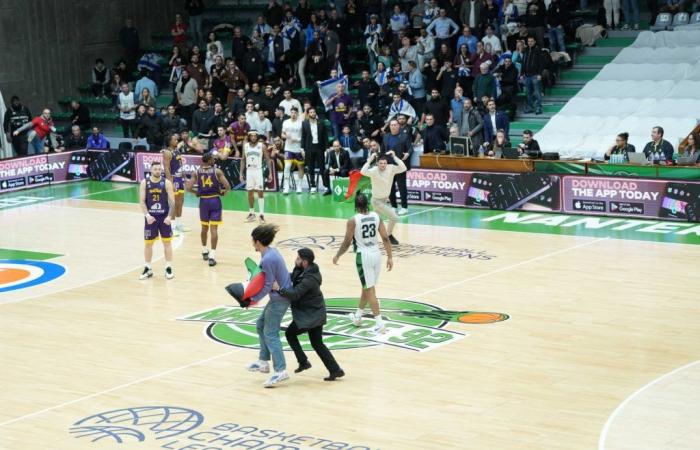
point(157, 200)
point(361, 231)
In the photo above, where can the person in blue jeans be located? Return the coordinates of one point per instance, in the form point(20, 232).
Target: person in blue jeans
point(269, 323)
point(532, 67)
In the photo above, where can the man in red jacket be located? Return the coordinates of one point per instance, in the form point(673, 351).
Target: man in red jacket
point(42, 127)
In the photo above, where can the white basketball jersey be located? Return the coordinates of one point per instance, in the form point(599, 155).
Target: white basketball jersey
point(366, 237)
point(253, 155)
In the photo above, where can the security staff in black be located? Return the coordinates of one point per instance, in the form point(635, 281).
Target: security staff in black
point(402, 147)
point(16, 116)
point(308, 313)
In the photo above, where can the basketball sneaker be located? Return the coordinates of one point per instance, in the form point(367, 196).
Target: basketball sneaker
point(299, 187)
point(212, 262)
point(176, 231)
point(261, 218)
point(313, 190)
point(285, 191)
point(356, 319)
point(250, 218)
point(147, 273)
point(259, 366)
point(402, 211)
point(169, 273)
point(276, 379)
point(379, 328)
point(205, 256)
point(393, 240)
point(183, 229)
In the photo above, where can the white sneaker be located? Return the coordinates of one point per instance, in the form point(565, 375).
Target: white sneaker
point(402, 211)
point(259, 366)
point(176, 231)
point(299, 187)
point(285, 191)
point(379, 328)
point(183, 228)
point(169, 275)
point(250, 217)
point(147, 273)
point(356, 319)
point(276, 378)
point(313, 190)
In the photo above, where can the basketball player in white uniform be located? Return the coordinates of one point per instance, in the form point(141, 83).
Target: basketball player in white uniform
point(293, 153)
point(361, 231)
point(252, 173)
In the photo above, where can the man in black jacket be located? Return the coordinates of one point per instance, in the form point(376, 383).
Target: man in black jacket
point(402, 147)
point(153, 128)
point(308, 313)
point(532, 67)
point(314, 140)
point(337, 164)
point(16, 116)
point(203, 121)
point(508, 75)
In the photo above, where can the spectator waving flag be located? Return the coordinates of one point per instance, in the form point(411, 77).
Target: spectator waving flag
point(326, 89)
point(356, 183)
point(150, 62)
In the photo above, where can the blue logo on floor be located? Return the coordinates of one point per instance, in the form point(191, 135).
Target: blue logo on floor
point(18, 274)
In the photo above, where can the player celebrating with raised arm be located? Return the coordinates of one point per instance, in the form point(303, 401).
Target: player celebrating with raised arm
point(157, 200)
point(361, 230)
point(252, 173)
point(211, 186)
point(382, 176)
point(172, 163)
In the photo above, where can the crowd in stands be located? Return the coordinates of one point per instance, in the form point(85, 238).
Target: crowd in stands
point(435, 68)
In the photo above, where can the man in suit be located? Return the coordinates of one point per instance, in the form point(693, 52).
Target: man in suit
point(402, 147)
point(337, 163)
point(494, 121)
point(314, 139)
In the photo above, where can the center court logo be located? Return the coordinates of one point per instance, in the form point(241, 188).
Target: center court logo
point(410, 325)
point(18, 274)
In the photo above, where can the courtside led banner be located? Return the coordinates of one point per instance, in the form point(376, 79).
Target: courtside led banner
point(517, 191)
point(37, 170)
point(675, 200)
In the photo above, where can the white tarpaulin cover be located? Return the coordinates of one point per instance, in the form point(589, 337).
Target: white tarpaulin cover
point(655, 81)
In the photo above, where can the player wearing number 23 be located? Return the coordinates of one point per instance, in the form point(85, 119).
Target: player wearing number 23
point(362, 230)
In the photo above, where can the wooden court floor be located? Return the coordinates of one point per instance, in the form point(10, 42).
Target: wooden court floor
point(593, 340)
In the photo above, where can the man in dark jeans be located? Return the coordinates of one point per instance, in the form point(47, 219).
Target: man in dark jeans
point(16, 116)
point(308, 313)
point(314, 140)
point(402, 147)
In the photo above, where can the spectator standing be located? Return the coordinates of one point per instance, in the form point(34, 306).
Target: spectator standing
point(531, 72)
point(340, 105)
point(402, 148)
point(434, 136)
point(557, 17)
point(195, 10)
point(127, 111)
point(203, 122)
point(16, 116)
point(179, 33)
point(314, 140)
point(472, 126)
point(186, 92)
point(152, 128)
point(129, 40)
point(443, 28)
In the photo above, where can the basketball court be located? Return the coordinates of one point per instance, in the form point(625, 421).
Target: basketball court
point(507, 331)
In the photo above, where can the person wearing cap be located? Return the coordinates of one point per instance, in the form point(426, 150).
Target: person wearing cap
point(308, 313)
